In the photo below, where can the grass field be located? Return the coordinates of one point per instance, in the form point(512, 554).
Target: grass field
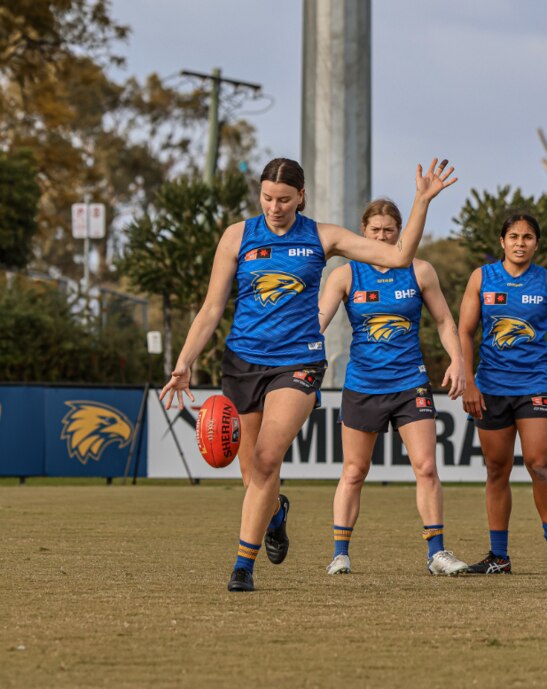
point(125, 587)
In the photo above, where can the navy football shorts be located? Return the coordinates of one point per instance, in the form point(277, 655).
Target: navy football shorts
point(248, 384)
point(503, 410)
point(372, 413)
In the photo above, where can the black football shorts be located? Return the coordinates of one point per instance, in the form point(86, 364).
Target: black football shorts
point(502, 411)
point(372, 413)
point(248, 384)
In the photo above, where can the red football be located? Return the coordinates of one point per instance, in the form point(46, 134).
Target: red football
point(218, 431)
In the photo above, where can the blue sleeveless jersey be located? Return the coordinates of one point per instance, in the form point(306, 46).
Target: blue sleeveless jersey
point(276, 321)
point(384, 310)
point(513, 352)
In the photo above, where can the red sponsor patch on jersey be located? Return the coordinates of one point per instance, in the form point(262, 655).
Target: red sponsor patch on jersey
point(539, 401)
point(492, 298)
point(423, 402)
point(261, 252)
point(362, 297)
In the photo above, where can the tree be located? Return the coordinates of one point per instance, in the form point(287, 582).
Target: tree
point(36, 35)
point(19, 195)
point(169, 251)
point(43, 340)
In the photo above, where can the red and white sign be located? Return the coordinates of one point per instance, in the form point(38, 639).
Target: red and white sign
point(88, 217)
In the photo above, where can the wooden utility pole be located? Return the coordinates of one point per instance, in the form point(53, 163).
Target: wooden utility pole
point(217, 81)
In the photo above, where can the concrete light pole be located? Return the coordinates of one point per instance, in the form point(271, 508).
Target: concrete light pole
point(336, 131)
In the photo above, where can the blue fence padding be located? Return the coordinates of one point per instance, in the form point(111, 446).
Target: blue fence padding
point(22, 431)
point(76, 431)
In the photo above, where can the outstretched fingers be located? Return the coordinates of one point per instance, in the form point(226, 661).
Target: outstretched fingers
point(445, 178)
point(431, 169)
point(175, 386)
point(444, 174)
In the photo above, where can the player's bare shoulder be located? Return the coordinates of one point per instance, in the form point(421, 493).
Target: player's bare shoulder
point(475, 281)
point(329, 235)
point(230, 242)
point(339, 281)
point(422, 267)
point(342, 274)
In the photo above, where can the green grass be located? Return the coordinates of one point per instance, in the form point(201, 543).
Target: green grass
point(125, 587)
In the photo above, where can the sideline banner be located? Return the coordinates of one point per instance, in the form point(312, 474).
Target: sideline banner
point(22, 431)
point(89, 431)
point(316, 453)
point(69, 431)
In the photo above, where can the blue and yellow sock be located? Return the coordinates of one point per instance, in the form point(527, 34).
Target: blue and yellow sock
point(246, 556)
point(434, 535)
point(498, 542)
point(278, 516)
point(545, 531)
point(342, 535)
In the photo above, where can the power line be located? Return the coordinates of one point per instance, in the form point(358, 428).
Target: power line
point(217, 81)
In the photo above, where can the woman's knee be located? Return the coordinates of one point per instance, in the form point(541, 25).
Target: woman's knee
point(498, 472)
point(354, 474)
point(266, 462)
point(426, 472)
point(537, 467)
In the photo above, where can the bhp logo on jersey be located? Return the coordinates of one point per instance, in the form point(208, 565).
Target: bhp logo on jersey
point(364, 297)
point(262, 252)
point(531, 299)
point(507, 331)
point(492, 298)
point(270, 288)
point(300, 252)
point(405, 293)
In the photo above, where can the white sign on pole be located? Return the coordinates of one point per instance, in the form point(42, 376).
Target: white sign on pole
point(153, 342)
point(81, 221)
point(96, 220)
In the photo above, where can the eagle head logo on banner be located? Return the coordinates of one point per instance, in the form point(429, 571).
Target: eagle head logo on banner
point(90, 426)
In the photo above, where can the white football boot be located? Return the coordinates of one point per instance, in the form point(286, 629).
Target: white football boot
point(445, 562)
point(340, 565)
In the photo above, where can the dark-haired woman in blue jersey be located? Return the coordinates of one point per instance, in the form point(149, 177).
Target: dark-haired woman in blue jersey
point(386, 380)
point(275, 359)
point(509, 393)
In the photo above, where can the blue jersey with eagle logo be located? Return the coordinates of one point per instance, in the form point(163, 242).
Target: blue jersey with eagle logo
point(276, 321)
point(513, 351)
point(384, 310)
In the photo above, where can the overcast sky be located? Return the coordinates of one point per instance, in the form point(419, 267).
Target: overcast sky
point(465, 80)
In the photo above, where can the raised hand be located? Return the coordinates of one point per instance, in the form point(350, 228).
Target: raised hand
point(434, 180)
point(179, 383)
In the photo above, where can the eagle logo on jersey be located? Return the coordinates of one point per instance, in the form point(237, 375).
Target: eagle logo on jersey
point(270, 288)
point(90, 426)
point(507, 331)
point(385, 326)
